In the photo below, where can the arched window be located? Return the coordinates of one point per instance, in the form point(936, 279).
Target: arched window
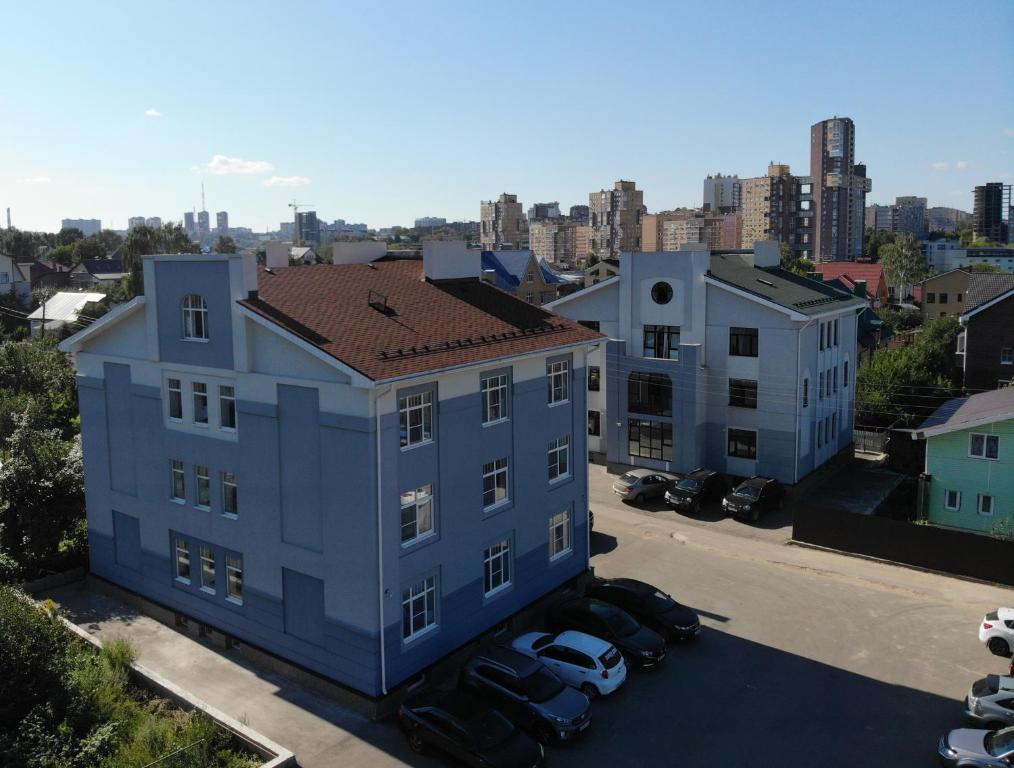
point(195, 317)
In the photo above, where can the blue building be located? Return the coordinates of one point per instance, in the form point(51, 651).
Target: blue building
point(719, 359)
point(357, 467)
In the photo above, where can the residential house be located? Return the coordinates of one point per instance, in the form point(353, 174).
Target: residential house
point(855, 272)
point(14, 279)
point(969, 478)
point(871, 332)
point(303, 254)
point(719, 359)
point(104, 273)
point(47, 274)
point(601, 270)
point(986, 343)
point(522, 274)
point(62, 310)
point(357, 467)
point(953, 293)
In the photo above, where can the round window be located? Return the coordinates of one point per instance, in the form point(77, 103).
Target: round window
point(661, 293)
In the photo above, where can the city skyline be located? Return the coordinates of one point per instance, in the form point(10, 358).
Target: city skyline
point(157, 137)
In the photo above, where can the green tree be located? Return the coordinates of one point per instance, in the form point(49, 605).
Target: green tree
point(69, 236)
point(875, 239)
point(900, 319)
point(35, 371)
point(62, 254)
point(145, 241)
point(903, 262)
point(110, 240)
point(793, 262)
point(89, 248)
point(225, 244)
point(982, 266)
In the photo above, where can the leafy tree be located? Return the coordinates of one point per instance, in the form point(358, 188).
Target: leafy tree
point(20, 245)
point(875, 239)
point(983, 266)
point(62, 254)
point(144, 241)
point(793, 262)
point(89, 248)
point(35, 371)
point(900, 319)
point(69, 236)
point(225, 244)
point(110, 240)
point(903, 261)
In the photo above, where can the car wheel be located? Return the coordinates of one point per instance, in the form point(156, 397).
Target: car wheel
point(415, 741)
point(998, 646)
point(543, 733)
point(639, 498)
point(590, 691)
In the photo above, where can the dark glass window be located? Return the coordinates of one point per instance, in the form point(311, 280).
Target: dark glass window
point(662, 341)
point(649, 393)
point(742, 443)
point(594, 423)
point(661, 293)
point(594, 378)
point(592, 325)
point(650, 439)
point(743, 393)
point(743, 342)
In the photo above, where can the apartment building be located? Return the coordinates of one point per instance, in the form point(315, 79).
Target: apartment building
point(840, 189)
point(502, 224)
point(615, 218)
point(991, 212)
point(356, 467)
point(721, 194)
point(716, 231)
point(559, 241)
point(907, 215)
point(652, 227)
point(88, 227)
point(940, 219)
point(719, 359)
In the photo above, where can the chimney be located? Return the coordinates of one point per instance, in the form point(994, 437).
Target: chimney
point(358, 253)
point(451, 260)
point(276, 255)
point(861, 289)
point(767, 253)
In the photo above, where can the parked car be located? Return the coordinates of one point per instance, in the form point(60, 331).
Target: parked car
point(990, 702)
point(640, 646)
point(639, 485)
point(997, 631)
point(528, 693)
point(587, 663)
point(652, 607)
point(969, 748)
point(754, 497)
point(466, 728)
point(694, 490)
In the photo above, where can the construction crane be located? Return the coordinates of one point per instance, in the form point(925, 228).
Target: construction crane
point(295, 221)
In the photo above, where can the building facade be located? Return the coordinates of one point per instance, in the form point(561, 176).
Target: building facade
point(88, 227)
point(941, 219)
point(986, 344)
point(840, 189)
point(615, 219)
point(502, 224)
point(222, 222)
point(721, 194)
point(357, 486)
point(523, 275)
point(559, 241)
point(991, 212)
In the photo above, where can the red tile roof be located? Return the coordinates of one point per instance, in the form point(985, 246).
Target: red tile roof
point(427, 326)
point(873, 274)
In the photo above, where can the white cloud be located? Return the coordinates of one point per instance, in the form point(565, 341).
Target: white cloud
point(37, 180)
point(152, 112)
point(961, 165)
point(940, 165)
point(286, 181)
point(221, 165)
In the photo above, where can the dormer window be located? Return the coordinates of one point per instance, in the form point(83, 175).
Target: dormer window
point(195, 318)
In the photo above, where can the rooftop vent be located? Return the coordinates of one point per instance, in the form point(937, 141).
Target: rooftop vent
point(765, 282)
point(379, 302)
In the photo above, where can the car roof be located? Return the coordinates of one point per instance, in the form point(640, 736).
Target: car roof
point(459, 704)
point(529, 639)
point(508, 657)
point(582, 642)
point(639, 472)
point(757, 481)
point(702, 474)
point(630, 585)
point(1005, 613)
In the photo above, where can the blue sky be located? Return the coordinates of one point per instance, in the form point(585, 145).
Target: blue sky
point(384, 111)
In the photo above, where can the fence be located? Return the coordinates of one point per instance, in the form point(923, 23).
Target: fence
point(870, 440)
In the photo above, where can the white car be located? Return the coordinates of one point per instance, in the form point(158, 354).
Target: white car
point(587, 663)
point(997, 631)
point(990, 702)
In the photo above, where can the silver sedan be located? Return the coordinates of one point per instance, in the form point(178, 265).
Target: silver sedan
point(639, 485)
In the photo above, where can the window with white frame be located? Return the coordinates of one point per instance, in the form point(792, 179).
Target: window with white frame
point(234, 577)
point(174, 387)
point(559, 381)
point(952, 500)
point(494, 483)
point(418, 607)
point(559, 457)
point(203, 485)
point(182, 559)
point(227, 407)
point(195, 318)
point(1007, 356)
point(494, 398)
point(497, 567)
point(207, 569)
point(983, 446)
point(985, 504)
point(416, 418)
point(416, 513)
point(559, 534)
point(177, 480)
point(200, 391)
point(230, 494)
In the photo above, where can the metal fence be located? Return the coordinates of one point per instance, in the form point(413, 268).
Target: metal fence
point(870, 440)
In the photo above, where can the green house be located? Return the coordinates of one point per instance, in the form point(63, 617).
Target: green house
point(970, 463)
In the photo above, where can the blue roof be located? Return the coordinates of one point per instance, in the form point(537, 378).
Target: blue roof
point(509, 268)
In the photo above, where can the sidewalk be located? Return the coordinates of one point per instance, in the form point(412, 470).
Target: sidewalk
point(321, 732)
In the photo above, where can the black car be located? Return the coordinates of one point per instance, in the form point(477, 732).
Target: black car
point(700, 486)
point(640, 646)
point(752, 498)
point(465, 727)
point(528, 693)
point(649, 605)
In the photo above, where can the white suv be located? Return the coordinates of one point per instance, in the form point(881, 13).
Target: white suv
point(990, 702)
point(587, 663)
point(997, 631)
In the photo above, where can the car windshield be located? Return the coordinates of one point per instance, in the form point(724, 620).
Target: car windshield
point(750, 491)
point(621, 623)
point(688, 484)
point(542, 642)
point(630, 478)
point(1000, 743)
point(660, 602)
point(541, 685)
point(490, 729)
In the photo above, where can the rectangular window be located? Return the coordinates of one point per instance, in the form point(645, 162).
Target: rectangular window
point(559, 534)
point(742, 443)
point(834, 379)
point(416, 418)
point(594, 423)
point(845, 375)
point(494, 483)
point(806, 393)
point(175, 388)
point(591, 325)
point(834, 425)
point(650, 439)
point(743, 393)
point(416, 513)
point(494, 399)
point(530, 297)
point(230, 494)
point(931, 298)
point(820, 433)
point(1007, 356)
point(743, 342)
point(418, 607)
point(203, 477)
point(559, 457)
point(983, 446)
point(836, 332)
point(662, 341)
point(649, 393)
point(952, 500)
point(820, 386)
point(182, 559)
point(985, 504)
point(200, 402)
point(823, 335)
point(558, 374)
point(594, 378)
point(943, 298)
point(177, 481)
point(227, 407)
point(497, 567)
point(234, 577)
point(207, 569)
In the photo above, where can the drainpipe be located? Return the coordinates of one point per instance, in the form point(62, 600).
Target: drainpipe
point(380, 547)
point(799, 344)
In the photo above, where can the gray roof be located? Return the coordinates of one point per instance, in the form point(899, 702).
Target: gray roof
point(984, 286)
point(966, 412)
point(800, 294)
